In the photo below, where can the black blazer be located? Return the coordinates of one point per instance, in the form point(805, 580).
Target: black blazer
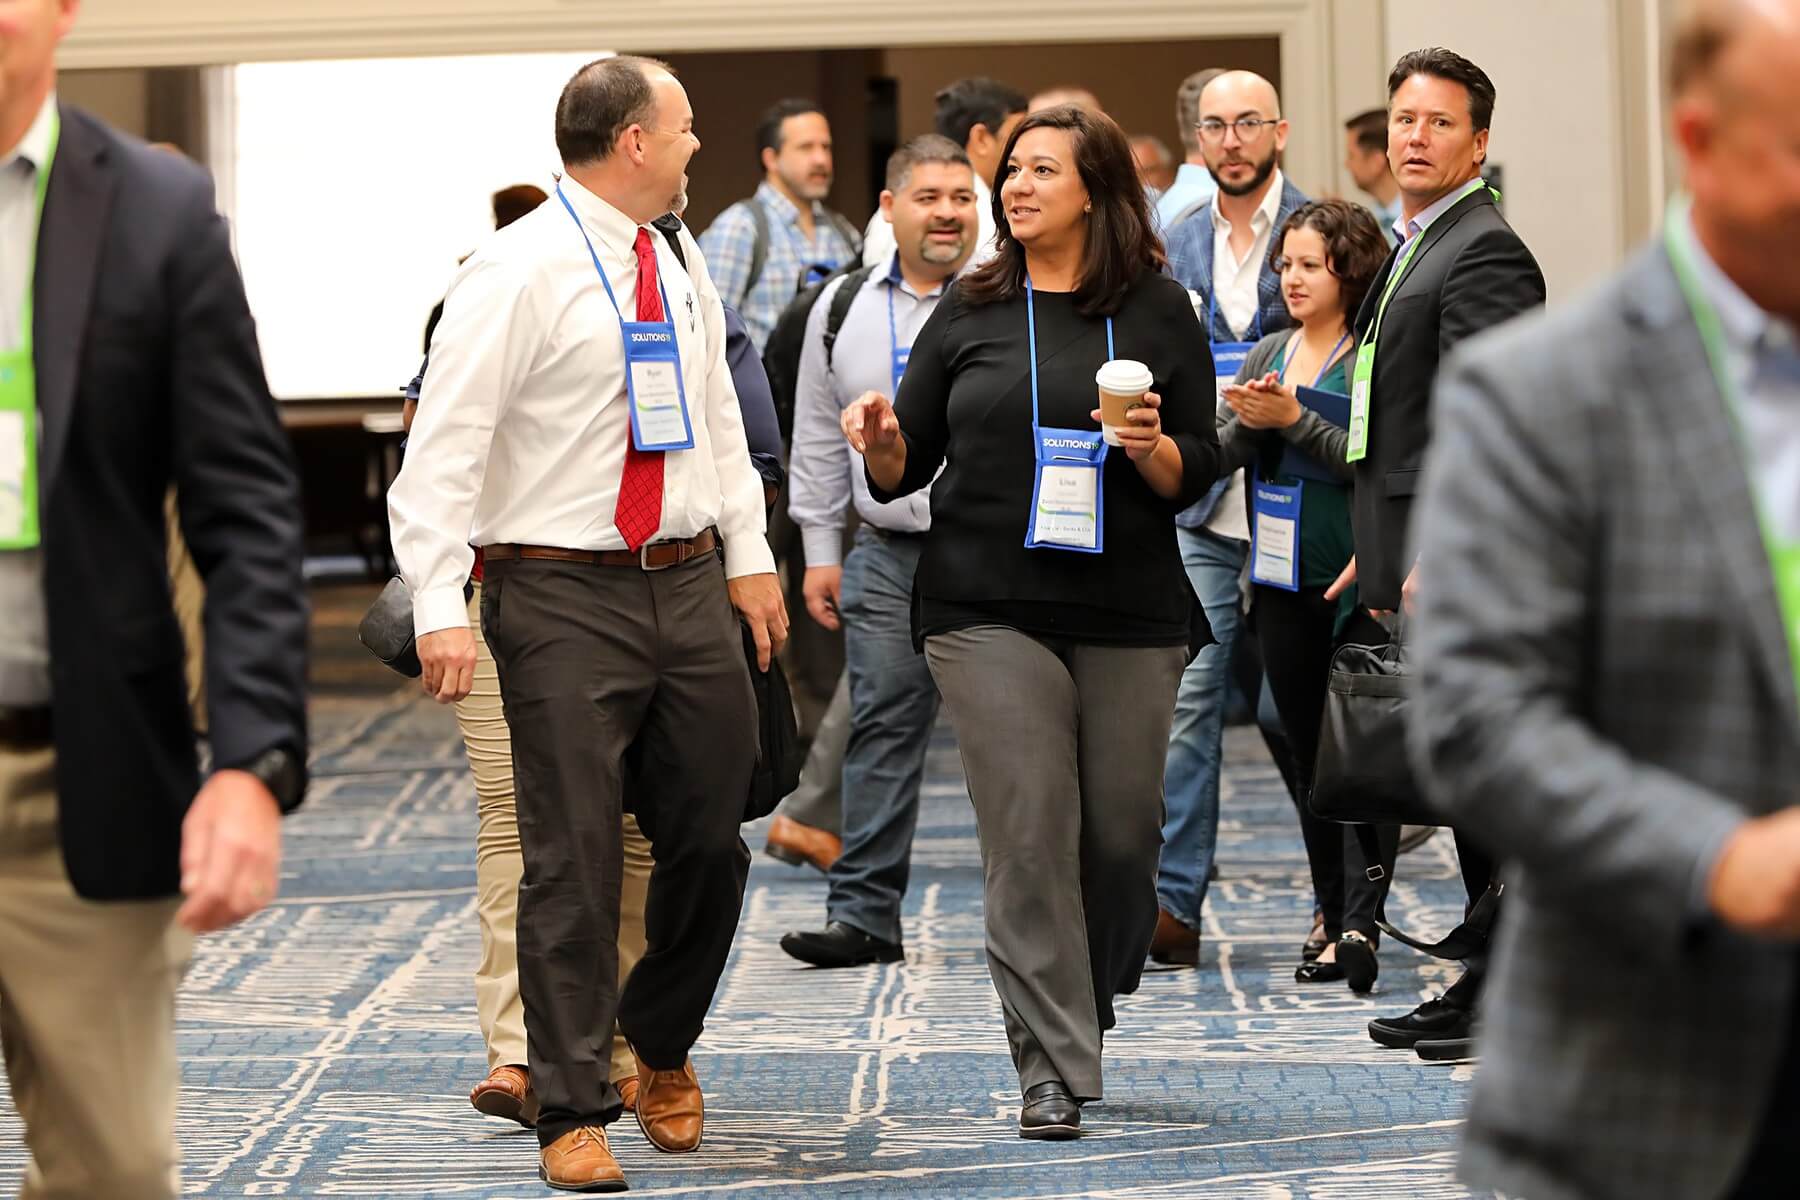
point(149, 375)
point(1470, 273)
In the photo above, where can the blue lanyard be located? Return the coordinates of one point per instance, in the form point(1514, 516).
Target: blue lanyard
point(1212, 295)
point(893, 336)
point(1031, 329)
point(1330, 361)
point(668, 319)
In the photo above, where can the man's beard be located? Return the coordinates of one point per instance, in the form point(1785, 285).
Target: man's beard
point(808, 188)
point(939, 255)
point(1264, 169)
point(679, 202)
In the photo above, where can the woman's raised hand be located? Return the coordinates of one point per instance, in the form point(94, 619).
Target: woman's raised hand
point(869, 423)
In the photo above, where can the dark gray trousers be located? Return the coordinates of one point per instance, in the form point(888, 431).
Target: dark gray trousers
point(1063, 745)
point(611, 674)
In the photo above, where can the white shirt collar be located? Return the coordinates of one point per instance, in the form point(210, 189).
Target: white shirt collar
point(1266, 211)
point(616, 231)
point(1443, 204)
point(34, 147)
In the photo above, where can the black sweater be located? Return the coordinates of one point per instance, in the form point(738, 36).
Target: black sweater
point(965, 403)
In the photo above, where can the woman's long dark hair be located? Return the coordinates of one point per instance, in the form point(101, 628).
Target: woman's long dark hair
point(1354, 246)
point(1121, 236)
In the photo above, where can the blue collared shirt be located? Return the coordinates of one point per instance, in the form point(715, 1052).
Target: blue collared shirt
point(1193, 185)
point(1443, 204)
point(824, 475)
point(1763, 355)
point(729, 244)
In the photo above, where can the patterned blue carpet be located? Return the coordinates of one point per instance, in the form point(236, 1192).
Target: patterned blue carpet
point(328, 1045)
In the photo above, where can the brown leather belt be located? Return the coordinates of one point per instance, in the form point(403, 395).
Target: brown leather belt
point(24, 728)
point(652, 556)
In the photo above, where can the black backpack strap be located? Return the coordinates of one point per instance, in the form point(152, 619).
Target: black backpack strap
point(841, 300)
point(851, 233)
point(759, 247)
point(669, 225)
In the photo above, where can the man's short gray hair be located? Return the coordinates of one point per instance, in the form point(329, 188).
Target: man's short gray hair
point(926, 148)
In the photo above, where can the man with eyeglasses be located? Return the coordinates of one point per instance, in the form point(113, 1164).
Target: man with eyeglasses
point(1221, 255)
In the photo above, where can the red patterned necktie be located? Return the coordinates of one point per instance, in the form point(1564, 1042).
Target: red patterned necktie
point(639, 511)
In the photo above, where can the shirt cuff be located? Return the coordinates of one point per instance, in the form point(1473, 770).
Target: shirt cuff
point(824, 546)
point(1699, 908)
point(748, 554)
point(440, 608)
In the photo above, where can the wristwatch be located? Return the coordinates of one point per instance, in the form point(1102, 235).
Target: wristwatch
point(280, 772)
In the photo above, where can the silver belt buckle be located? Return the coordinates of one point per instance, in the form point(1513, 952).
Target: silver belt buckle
point(644, 559)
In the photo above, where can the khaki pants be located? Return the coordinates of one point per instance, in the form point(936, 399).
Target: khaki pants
point(499, 866)
point(87, 1010)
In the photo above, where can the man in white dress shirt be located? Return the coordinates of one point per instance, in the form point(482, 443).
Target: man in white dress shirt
point(601, 511)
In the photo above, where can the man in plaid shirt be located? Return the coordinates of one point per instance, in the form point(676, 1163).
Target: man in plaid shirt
point(802, 241)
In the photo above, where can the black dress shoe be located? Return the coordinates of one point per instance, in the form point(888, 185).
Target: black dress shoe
point(1356, 954)
point(1318, 972)
point(1050, 1113)
point(1432, 1021)
point(841, 945)
point(1446, 1049)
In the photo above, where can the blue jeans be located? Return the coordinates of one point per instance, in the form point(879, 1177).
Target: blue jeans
point(1191, 774)
point(893, 706)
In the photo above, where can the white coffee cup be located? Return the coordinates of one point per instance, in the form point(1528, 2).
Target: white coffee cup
point(1122, 383)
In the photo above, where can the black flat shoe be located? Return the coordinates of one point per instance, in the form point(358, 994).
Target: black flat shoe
point(1318, 972)
point(1432, 1021)
point(1050, 1113)
point(1315, 943)
point(841, 945)
point(1356, 954)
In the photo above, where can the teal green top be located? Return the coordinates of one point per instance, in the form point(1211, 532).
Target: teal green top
point(1326, 542)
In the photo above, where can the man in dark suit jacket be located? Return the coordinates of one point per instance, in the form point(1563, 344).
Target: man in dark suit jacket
point(1459, 269)
point(137, 369)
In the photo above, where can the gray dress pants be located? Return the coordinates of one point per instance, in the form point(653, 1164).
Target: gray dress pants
point(1063, 745)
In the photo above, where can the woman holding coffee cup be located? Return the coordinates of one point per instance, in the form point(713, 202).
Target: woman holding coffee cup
point(1050, 597)
point(1328, 253)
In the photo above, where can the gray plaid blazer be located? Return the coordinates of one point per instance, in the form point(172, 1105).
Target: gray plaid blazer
point(1604, 692)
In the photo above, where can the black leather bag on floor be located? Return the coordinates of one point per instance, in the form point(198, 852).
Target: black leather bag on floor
point(1362, 773)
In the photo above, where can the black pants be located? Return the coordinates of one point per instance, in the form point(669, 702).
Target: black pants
point(598, 665)
point(1294, 630)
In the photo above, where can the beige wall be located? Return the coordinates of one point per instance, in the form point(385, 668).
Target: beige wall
point(120, 96)
point(1559, 121)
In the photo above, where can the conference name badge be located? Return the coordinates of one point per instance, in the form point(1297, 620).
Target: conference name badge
point(18, 452)
point(653, 384)
point(1066, 495)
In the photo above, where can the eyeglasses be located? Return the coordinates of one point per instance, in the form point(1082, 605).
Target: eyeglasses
point(1248, 128)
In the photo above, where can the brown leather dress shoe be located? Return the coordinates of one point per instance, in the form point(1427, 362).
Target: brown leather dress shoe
point(669, 1108)
point(628, 1090)
point(506, 1092)
point(1173, 943)
point(581, 1161)
point(802, 845)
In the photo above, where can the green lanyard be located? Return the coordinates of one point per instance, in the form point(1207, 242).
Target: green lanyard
point(1363, 376)
point(1784, 553)
point(18, 397)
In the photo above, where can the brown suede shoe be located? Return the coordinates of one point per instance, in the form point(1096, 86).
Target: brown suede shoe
point(802, 845)
point(1174, 944)
point(580, 1161)
point(669, 1108)
point(628, 1090)
point(506, 1092)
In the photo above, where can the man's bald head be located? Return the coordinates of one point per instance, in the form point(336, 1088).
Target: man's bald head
point(1709, 30)
point(1734, 78)
point(1239, 91)
point(1080, 97)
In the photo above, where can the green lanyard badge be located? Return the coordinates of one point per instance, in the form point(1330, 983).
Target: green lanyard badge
point(18, 400)
point(1362, 376)
point(1784, 553)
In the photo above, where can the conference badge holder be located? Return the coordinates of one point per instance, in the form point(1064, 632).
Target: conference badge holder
point(1275, 535)
point(653, 385)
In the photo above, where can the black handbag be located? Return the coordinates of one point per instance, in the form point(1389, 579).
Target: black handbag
point(387, 629)
point(778, 735)
point(1362, 773)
